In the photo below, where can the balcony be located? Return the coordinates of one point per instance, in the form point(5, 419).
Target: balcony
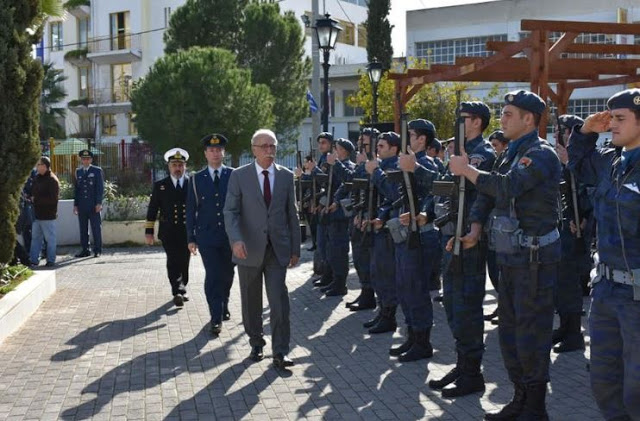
point(123, 48)
point(109, 101)
point(78, 8)
point(80, 106)
point(77, 57)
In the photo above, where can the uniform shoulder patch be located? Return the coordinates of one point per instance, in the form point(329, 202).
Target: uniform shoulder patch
point(524, 162)
point(476, 160)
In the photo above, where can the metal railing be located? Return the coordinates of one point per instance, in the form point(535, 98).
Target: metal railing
point(124, 41)
point(108, 96)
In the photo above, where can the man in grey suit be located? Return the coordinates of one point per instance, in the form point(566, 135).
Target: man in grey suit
point(262, 223)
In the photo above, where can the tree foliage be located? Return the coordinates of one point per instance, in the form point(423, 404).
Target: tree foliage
point(191, 93)
point(436, 102)
point(379, 33)
point(265, 41)
point(53, 92)
point(20, 82)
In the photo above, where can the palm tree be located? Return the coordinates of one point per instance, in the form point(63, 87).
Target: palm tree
point(53, 92)
point(51, 7)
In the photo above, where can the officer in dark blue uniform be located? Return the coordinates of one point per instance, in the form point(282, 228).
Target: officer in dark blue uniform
point(568, 291)
point(464, 288)
point(614, 320)
point(524, 231)
point(433, 151)
point(169, 198)
point(205, 228)
point(87, 203)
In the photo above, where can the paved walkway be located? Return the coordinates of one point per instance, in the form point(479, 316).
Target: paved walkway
point(110, 345)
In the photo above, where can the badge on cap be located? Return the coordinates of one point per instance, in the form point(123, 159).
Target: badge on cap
point(214, 141)
point(636, 99)
point(510, 98)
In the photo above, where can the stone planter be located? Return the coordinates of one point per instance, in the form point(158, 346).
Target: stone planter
point(18, 305)
point(117, 232)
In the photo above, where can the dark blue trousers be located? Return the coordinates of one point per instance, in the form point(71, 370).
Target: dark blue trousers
point(86, 216)
point(218, 279)
point(383, 268)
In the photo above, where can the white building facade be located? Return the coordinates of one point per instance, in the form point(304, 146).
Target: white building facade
point(104, 46)
point(438, 35)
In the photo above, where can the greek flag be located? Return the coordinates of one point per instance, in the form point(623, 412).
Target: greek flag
point(313, 106)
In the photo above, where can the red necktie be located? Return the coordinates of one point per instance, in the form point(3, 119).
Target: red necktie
point(266, 188)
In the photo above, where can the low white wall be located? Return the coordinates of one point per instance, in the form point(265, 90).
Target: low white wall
point(67, 229)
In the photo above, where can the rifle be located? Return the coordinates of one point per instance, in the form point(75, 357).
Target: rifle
point(372, 198)
point(299, 189)
point(329, 190)
point(314, 184)
point(461, 182)
point(410, 197)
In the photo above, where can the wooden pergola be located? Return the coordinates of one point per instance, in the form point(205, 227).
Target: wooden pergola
point(539, 61)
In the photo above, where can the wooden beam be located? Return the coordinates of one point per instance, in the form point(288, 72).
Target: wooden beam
point(566, 66)
point(621, 80)
point(580, 27)
point(580, 48)
point(561, 45)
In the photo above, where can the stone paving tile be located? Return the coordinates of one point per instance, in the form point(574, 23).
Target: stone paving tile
point(110, 345)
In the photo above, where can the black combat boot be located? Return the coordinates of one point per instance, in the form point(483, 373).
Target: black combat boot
point(366, 301)
point(398, 350)
point(534, 405)
point(387, 322)
point(450, 377)
point(513, 409)
point(573, 339)
point(558, 334)
point(420, 349)
point(470, 380)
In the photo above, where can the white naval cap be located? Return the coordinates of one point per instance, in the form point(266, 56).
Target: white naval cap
point(176, 154)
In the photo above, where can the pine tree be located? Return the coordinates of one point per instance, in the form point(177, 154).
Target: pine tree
point(379, 33)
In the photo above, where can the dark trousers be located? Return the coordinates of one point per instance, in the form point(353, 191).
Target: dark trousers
point(84, 218)
point(337, 250)
point(178, 257)
point(568, 290)
point(412, 286)
point(274, 275)
point(492, 267)
point(383, 268)
point(218, 279)
point(361, 251)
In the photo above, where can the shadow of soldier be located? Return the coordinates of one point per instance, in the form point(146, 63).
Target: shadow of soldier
point(114, 331)
point(150, 370)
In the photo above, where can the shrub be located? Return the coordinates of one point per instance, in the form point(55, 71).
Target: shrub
point(123, 208)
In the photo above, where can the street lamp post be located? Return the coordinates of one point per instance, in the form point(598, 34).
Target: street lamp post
point(327, 31)
point(374, 70)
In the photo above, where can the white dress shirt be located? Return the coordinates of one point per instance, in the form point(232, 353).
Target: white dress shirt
point(212, 171)
point(176, 180)
point(272, 176)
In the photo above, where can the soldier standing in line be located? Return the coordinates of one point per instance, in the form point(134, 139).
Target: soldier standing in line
point(524, 231)
point(169, 197)
point(614, 320)
point(87, 203)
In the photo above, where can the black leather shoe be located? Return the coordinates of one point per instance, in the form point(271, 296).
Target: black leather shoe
point(226, 316)
point(319, 283)
point(282, 361)
point(335, 292)
point(216, 328)
point(256, 354)
point(83, 253)
point(97, 254)
point(178, 300)
point(185, 297)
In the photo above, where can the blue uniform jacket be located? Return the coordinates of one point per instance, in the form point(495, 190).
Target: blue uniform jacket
point(616, 192)
point(205, 220)
point(89, 188)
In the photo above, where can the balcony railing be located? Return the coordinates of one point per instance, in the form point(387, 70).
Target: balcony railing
point(110, 96)
point(118, 42)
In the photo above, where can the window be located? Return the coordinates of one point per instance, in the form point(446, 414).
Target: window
point(362, 35)
point(133, 127)
point(121, 81)
point(580, 39)
point(585, 107)
point(83, 33)
point(84, 82)
point(86, 125)
point(120, 37)
point(109, 126)
point(55, 31)
point(167, 16)
point(348, 110)
point(348, 33)
point(446, 51)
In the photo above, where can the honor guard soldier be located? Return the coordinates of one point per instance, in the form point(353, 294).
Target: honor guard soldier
point(205, 228)
point(614, 320)
point(169, 197)
point(523, 229)
point(87, 203)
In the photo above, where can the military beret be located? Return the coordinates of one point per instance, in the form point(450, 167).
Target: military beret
point(526, 100)
point(346, 143)
point(325, 135)
point(85, 153)
point(422, 124)
point(392, 138)
point(568, 121)
point(176, 154)
point(476, 108)
point(629, 98)
point(370, 131)
point(499, 135)
point(214, 140)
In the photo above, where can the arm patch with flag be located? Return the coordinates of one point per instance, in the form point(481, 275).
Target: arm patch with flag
point(313, 106)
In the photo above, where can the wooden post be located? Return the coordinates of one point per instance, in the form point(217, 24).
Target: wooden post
point(398, 105)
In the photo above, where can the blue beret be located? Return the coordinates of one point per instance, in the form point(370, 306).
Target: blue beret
point(629, 98)
point(325, 135)
point(85, 153)
point(498, 134)
point(370, 131)
point(569, 121)
point(346, 143)
point(422, 124)
point(476, 108)
point(214, 140)
point(526, 100)
point(392, 138)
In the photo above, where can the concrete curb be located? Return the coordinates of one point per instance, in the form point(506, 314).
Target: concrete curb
point(18, 305)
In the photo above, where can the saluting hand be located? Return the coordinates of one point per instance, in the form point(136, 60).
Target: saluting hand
point(597, 123)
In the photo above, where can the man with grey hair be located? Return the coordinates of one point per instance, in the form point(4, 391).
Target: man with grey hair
point(262, 224)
